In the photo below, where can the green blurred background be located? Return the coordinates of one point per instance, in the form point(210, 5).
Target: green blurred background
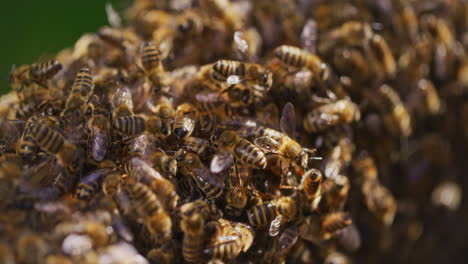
point(32, 29)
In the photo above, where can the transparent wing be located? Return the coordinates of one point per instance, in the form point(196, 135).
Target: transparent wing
point(267, 144)
point(288, 120)
point(113, 17)
point(309, 36)
point(100, 143)
point(275, 226)
point(221, 161)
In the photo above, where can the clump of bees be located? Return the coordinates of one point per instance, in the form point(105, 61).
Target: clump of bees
point(218, 131)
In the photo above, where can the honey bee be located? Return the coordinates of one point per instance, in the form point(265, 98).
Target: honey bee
point(39, 73)
point(351, 33)
point(228, 249)
point(343, 111)
point(247, 44)
point(185, 119)
point(272, 141)
point(98, 130)
point(299, 58)
point(51, 142)
point(224, 69)
point(337, 189)
point(111, 184)
point(333, 222)
point(147, 204)
point(90, 184)
point(425, 99)
point(339, 157)
point(75, 106)
point(198, 145)
point(152, 63)
point(241, 148)
point(192, 224)
point(396, 116)
point(132, 125)
point(236, 191)
point(287, 240)
point(286, 207)
point(262, 214)
point(380, 52)
point(312, 183)
point(123, 103)
point(210, 184)
point(166, 112)
point(380, 201)
point(140, 171)
point(94, 229)
point(365, 167)
point(164, 163)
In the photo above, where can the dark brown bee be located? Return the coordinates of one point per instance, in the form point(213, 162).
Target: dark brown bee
point(129, 125)
point(333, 222)
point(287, 240)
point(36, 73)
point(262, 214)
point(90, 184)
point(198, 145)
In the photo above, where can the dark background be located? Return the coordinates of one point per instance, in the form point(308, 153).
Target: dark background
point(32, 30)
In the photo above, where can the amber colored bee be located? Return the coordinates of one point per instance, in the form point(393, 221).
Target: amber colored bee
point(111, 184)
point(166, 112)
point(198, 145)
point(236, 191)
point(225, 250)
point(333, 222)
point(339, 157)
point(328, 115)
point(192, 224)
point(152, 63)
point(129, 125)
point(262, 214)
point(241, 148)
point(286, 206)
point(380, 201)
point(379, 50)
point(38, 73)
point(424, 99)
point(185, 120)
point(164, 163)
point(90, 184)
point(223, 69)
point(352, 33)
point(141, 171)
point(276, 142)
point(210, 184)
point(312, 183)
point(396, 116)
point(299, 58)
point(147, 204)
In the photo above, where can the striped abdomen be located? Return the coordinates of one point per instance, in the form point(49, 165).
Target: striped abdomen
point(287, 239)
point(210, 186)
point(224, 68)
point(44, 71)
point(336, 221)
point(312, 183)
point(192, 249)
point(151, 56)
point(129, 125)
point(146, 201)
point(247, 152)
point(225, 251)
point(83, 82)
point(262, 214)
point(90, 184)
point(46, 138)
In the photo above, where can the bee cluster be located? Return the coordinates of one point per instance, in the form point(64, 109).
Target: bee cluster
point(269, 131)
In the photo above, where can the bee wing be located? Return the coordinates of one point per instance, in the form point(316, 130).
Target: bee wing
point(100, 143)
point(275, 226)
point(309, 36)
point(210, 98)
point(241, 46)
point(221, 161)
point(288, 120)
point(267, 144)
point(113, 17)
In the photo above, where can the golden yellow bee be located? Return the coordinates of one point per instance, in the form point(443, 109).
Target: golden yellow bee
point(192, 224)
point(185, 119)
point(90, 184)
point(343, 111)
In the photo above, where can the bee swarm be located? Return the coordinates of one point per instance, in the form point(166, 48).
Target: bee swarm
point(218, 131)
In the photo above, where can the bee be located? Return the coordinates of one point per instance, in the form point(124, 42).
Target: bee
point(30, 247)
point(163, 255)
point(424, 99)
point(190, 164)
point(223, 69)
point(380, 52)
point(299, 58)
point(241, 148)
point(111, 184)
point(98, 130)
point(365, 167)
point(39, 73)
point(198, 145)
point(75, 106)
point(94, 229)
point(147, 204)
point(351, 33)
point(236, 191)
point(343, 111)
point(247, 44)
point(152, 63)
point(52, 142)
point(286, 207)
point(396, 116)
point(262, 214)
point(140, 171)
point(166, 112)
point(164, 163)
point(312, 183)
point(229, 239)
point(228, 249)
point(90, 184)
point(272, 141)
point(192, 224)
point(287, 240)
point(185, 119)
point(380, 201)
point(334, 222)
point(339, 157)
point(133, 125)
